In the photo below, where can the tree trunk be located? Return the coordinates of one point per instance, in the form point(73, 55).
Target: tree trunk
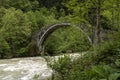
point(97, 36)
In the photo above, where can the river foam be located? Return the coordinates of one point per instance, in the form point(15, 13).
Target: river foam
point(24, 69)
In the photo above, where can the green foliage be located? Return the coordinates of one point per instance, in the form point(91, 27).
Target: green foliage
point(20, 19)
point(67, 39)
point(87, 67)
point(24, 5)
point(14, 24)
point(4, 48)
point(101, 63)
point(17, 23)
point(41, 18)
point(64, 69)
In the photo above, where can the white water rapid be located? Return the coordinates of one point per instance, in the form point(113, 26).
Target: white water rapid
point(31, 68)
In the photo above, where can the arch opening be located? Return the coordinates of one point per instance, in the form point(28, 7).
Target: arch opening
point(51, 29)
point(66, 40)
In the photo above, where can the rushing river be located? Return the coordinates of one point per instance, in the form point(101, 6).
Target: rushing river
point(31, 68)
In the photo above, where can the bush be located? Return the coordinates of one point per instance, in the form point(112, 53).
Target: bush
point(4, 48)
point(101, 63)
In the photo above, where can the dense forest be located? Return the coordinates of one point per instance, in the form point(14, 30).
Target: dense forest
point(99, 19)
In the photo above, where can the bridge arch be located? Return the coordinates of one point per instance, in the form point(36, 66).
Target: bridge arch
point(43, 34)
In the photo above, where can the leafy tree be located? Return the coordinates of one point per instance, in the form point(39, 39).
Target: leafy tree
point(16, 31)
point(24, 5)
point(41, 18)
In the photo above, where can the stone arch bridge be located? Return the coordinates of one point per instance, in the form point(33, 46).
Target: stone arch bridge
point(41, 35)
